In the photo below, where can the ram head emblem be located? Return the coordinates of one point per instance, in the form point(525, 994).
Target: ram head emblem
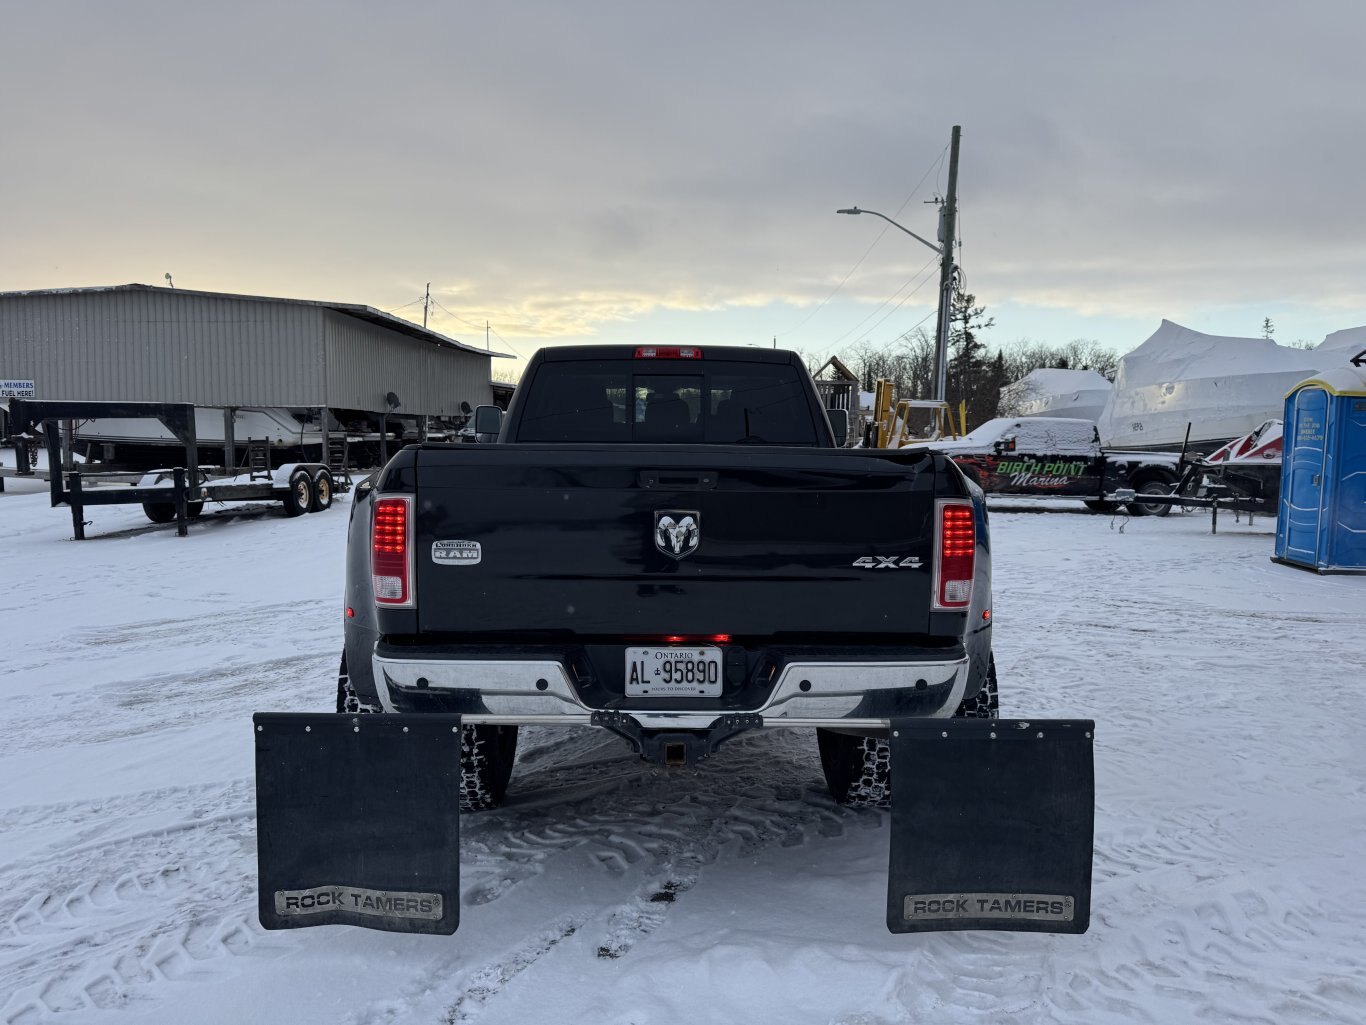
point(677, 532)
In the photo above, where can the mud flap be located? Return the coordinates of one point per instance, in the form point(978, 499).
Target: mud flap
point(992, 823)
point(358, 821)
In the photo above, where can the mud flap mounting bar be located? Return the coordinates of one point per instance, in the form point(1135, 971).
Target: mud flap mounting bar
point(992, 827)
point(677, 748)
point(358, 821)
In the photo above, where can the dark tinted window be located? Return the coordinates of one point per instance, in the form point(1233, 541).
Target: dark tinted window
point(667, 403)
point(578, 402)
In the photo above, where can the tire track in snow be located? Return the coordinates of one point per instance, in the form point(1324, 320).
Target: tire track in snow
point(1247, 953)
point(131, 707)
point(1194, 914)
point(87, 931)
point(421, 993)
point(490, 980)
point(671, 829)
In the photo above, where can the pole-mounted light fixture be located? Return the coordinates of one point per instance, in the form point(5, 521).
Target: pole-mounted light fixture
point(941, 334)
point(908, 231)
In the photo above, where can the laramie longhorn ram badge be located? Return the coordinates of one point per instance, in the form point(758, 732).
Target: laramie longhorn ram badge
point(677, 531)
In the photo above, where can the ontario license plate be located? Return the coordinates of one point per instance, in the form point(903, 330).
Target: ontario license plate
point(673, 672)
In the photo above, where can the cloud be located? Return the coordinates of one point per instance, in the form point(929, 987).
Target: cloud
point(567, 167)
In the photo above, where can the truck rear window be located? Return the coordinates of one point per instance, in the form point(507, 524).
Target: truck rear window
point(716, 403)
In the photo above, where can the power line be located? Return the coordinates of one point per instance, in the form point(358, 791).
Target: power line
point(479, 327)
point(903, 303)
point(939, 162)
point(924, 267)
point(456, 316)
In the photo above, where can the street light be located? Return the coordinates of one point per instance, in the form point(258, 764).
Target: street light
point(908, 231)
point(946, 275)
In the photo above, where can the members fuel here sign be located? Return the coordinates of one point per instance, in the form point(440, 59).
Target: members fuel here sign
point(11, 389)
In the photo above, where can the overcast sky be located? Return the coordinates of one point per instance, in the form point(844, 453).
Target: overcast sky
point(656, 172)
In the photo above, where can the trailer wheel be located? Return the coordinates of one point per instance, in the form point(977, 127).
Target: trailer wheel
point(299, 495)
point(322, 491)
point(1152, 487)
point(858, 770)
point(164, 512)
point(159, 512)
point(486, 752)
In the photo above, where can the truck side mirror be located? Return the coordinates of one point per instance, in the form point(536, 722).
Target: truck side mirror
point(488, 420)
point(839, 425)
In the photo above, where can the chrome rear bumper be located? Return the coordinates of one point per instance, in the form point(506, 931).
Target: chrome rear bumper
point(845, 694)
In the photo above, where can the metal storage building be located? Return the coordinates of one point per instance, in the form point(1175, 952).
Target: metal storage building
point(1321, 523)
point(139, 343)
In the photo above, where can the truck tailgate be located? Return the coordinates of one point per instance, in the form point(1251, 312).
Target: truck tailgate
point(570, 541)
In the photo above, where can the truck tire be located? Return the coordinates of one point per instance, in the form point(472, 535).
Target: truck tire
point(858, 770)
point(486, 752)
point(348, 701)
point(322, 491)
point(1151, 487)
point(486, 756)
point(299, 495)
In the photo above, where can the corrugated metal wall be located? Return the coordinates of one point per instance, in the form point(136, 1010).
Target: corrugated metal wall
point(158, 345)
point(365, 361)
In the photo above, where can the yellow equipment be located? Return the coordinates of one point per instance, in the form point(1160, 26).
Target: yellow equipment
point(898, 425)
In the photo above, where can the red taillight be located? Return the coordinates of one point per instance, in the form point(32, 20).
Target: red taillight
point(697, 638)
point(955, 556)
point(668, 352)
point(391, 551)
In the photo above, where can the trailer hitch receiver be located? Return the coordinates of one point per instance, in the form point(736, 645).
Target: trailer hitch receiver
point(676, 748)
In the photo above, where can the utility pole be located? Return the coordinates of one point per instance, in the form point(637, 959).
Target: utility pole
point(948, 214)
point(486, 337)
point(426, 303)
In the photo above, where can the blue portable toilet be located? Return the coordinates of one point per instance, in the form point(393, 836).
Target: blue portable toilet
point(1321, 523)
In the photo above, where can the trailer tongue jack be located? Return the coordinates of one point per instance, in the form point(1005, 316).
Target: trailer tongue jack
point(358, 823)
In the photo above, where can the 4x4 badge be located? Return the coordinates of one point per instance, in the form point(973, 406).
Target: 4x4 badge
point(677, 531)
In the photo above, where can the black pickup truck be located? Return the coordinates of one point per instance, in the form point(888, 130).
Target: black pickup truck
point(667, 543)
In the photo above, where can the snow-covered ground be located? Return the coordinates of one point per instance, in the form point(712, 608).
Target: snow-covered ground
point(1231, 819)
